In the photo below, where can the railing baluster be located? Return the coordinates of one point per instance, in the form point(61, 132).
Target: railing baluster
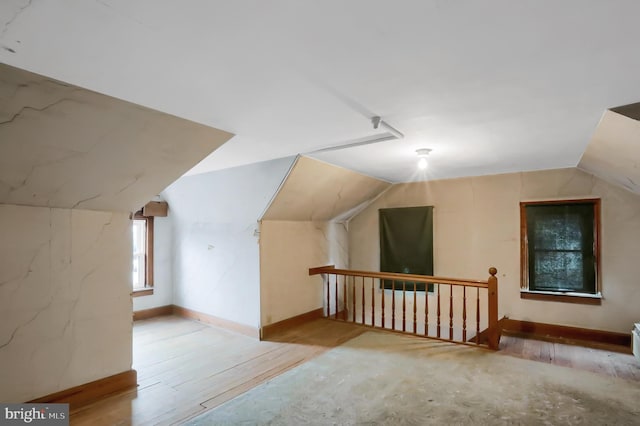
point(393, 304)
point(345, 277)
point(328, 295)
point(415, 330)
point(353, 281)
point(344, 300)
point(450, 312)
point(438, 329)
point(342, 306)
point(404, 306)
point(363, 300)
point(382, 302)
point(426, 309)
point(464, 313)
point(373, 303)
point(477, 316)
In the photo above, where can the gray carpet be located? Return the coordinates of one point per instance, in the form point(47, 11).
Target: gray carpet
point(389, 379)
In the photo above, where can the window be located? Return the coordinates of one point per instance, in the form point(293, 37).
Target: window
point(560, 250)
point(406, 244)
point(142, 253)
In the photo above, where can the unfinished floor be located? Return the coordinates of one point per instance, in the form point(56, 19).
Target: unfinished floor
point(186, 367)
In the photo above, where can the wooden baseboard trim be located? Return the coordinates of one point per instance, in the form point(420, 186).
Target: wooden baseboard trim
point(280, 326)
point(597, 339)
point(218, 322)
point(82, 395)
point(153, 312)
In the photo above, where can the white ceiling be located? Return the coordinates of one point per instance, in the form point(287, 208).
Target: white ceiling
point(492, 86)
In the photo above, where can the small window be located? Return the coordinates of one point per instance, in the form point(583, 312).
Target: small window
point(559, 247)
point(142, 252)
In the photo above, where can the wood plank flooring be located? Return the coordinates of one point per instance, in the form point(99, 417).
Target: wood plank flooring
point(600, 361)
point(186, 367)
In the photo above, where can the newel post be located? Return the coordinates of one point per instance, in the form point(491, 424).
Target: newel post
point(494, 333)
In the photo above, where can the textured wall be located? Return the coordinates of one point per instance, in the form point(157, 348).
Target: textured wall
point(63, 146)
point(65, 309)
point(477, 225)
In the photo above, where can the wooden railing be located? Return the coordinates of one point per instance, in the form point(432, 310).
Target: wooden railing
point(458, 310)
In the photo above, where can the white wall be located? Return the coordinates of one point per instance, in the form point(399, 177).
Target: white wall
point(162, 267)
point(477, 225)
point(65, 309)
point(216, 259)
point(287, 250)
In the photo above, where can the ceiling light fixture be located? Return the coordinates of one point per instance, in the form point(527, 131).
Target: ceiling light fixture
point(422, 158)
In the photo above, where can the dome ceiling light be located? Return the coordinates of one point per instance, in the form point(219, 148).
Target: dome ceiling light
point(422, 158)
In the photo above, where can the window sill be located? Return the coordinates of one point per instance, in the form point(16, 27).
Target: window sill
point(142, 292)
point(580, 298)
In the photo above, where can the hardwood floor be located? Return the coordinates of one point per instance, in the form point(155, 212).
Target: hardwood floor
point(600, 361)
point(186, 367)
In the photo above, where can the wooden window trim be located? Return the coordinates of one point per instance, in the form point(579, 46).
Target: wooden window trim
point(568, 297)
point(582, 299)
point(142, 292)
point(148, 261)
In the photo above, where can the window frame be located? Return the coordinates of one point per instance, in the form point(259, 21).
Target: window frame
point(561, 296)
point(148, 268)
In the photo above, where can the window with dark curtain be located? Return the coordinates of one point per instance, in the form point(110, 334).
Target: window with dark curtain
point(406, 244)
point(561, 246)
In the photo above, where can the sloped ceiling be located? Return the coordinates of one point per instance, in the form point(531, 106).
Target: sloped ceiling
point(63, 146)
point(613, 153)
point(491, 86)
point(315, 190)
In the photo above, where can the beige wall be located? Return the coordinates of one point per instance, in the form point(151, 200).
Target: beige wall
point(303, 228)
point(476, 225)
point(287, 250)
point(65, 305)
point(316, 191)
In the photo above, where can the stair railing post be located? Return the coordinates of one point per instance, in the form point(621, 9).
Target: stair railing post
point(493, 332)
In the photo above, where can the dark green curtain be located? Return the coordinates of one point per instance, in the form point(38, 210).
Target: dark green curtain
point(406, 243)
point(560, 242)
